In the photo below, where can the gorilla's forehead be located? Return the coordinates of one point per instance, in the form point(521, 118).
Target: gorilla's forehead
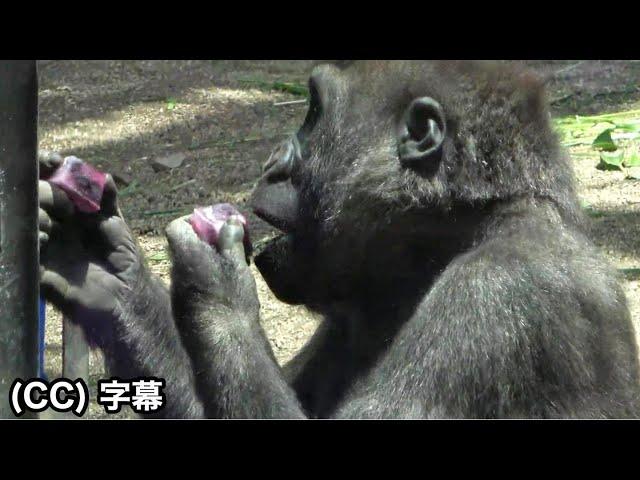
point(496, 122)
point(382, 79)
point(389, 81)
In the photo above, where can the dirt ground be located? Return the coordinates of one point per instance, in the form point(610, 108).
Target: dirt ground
point(224, 117)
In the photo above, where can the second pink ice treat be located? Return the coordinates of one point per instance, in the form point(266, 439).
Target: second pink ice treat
point(208, 221)
point(81, 182)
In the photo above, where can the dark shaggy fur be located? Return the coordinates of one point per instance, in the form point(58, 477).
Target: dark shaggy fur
point(467, 291)
point(459, 287)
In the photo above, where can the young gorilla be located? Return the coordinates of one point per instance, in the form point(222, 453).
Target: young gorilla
point(429, 214)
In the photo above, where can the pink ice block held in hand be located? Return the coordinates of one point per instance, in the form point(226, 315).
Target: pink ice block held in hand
point(208, 221)
point(82, 183)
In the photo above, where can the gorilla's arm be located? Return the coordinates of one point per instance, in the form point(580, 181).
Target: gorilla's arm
point(145, 343)
point(467, 345)
point(93, 271)
point(217, 311)
point(510, 329)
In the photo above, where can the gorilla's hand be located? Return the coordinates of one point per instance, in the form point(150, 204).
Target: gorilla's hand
point(216, 308)
point(215, 276)
point(89, 262)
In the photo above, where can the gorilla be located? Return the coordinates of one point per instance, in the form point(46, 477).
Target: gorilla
point(428, 212)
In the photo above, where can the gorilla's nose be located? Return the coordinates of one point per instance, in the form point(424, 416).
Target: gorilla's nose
point(281, 161)
point(275, 198)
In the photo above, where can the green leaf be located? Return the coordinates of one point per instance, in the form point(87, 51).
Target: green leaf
point(289, 87)
point(632, 158)
point(633, 173)
point(574, 143)
point(611, 161)
point(628, 126)
point(605, 142)
point(593, 213)
point(171, 103)
point(159, 257)
point(129, 190)
point(630, 273)
point(292, 88)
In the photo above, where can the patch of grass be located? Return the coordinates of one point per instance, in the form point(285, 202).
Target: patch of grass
point(158, 257)
point(294, 88)
point(129, 190)
point(615, 137)
point(591, 211)
point(630, 273)
point(584, 130)
point(175, 211)
point(171, 103)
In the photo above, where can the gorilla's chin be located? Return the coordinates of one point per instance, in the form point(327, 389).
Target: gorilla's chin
point(279, 268)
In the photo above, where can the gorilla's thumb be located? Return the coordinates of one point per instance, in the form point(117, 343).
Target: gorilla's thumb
point(230, 242)
point(55, 289)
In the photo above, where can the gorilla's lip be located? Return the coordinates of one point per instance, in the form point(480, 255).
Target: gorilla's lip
point(277, 222)
point(263, 245)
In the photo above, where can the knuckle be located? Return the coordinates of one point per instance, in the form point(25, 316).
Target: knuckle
point(171, 230)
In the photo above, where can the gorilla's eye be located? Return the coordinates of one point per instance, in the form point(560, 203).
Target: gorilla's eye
point(314, 112)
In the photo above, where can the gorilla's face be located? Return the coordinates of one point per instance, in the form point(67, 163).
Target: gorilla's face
point(335, 188)
point(395, 168)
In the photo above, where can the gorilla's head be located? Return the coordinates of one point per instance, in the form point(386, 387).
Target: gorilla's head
point(395, 169)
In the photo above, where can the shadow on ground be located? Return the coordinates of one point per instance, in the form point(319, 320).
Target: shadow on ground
point(626, 223)
point(76, 90)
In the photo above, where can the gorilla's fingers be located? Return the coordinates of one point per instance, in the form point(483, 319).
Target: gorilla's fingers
point(57, 290)
point(230, 242)
point(44, 221)
point(182, 238)
point(54, 201)
point(191, 254)
point(109, 205)
point(43, 238)
point(114, 232)
point(45, 224)
point(178, 230)
point(49, 162)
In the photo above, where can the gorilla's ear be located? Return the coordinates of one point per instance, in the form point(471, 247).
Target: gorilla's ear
point(422, 133)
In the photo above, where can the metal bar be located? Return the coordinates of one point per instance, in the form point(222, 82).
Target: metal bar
point(75, 357)
point(75, 352)
point(42, 327)
point(19, 283)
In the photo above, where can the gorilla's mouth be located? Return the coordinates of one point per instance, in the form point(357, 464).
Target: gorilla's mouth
point(260, 246)
point(280, 224)
point(270, 243)
point(277, 264)
point(276, 222)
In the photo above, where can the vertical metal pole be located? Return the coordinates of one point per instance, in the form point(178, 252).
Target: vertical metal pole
point(75, 356)
point(75, 352)
point(42, 327)
point(19, 282)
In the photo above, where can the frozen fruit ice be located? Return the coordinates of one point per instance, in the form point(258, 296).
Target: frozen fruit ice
point(82, 183)
point(208, 221)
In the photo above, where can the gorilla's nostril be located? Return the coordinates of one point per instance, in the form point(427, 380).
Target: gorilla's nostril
point(273, 158)
point(280, 163)
point(297, 151)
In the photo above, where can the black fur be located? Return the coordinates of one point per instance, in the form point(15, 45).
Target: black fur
point(465, 289)
point(469, 291)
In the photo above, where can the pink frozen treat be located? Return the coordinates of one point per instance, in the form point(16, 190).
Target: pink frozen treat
point(81, 182)
point(208, 221)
